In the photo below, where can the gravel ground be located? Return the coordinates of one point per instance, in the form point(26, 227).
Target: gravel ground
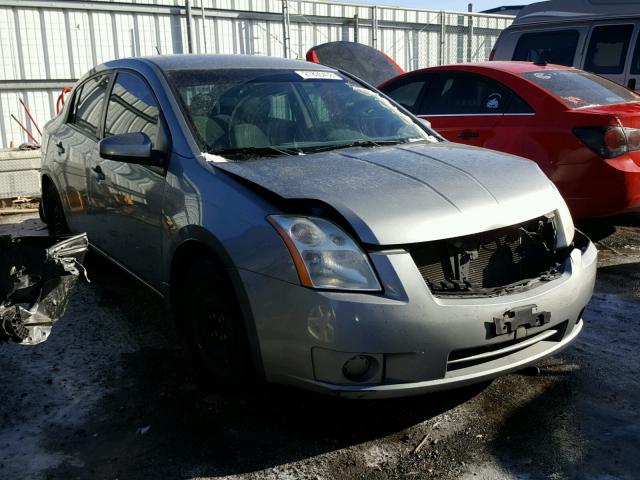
point(110, 396)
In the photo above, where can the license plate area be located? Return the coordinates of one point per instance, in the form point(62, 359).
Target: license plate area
point(527, 316)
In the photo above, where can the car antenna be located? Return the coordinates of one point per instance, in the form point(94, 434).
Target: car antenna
point(540, 63)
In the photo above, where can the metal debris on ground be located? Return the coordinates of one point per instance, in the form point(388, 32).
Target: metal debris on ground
point(37, 275)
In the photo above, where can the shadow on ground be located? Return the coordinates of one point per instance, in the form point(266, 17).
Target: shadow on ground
point(161, 419)
point(600, 228)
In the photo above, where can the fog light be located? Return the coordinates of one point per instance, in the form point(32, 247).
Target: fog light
point(360, 368)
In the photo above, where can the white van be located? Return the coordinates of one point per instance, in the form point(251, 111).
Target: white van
point(600, 36)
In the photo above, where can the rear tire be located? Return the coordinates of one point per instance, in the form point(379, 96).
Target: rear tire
point(214, 327)
point(53, 212)
point(41, 211)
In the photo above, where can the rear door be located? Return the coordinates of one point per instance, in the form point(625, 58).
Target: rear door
point(126, 199)
point(608, 50)
point(633, 78)
point(464, 107)
point(73, 148)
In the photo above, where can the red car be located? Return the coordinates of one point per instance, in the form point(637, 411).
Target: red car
point(582, 130)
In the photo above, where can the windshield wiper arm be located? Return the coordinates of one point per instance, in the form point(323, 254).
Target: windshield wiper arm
point(357, 143)
point(249, 152)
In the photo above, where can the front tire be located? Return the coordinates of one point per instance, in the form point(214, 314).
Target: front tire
point(214, 327)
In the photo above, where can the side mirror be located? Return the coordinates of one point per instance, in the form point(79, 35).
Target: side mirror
point(426, 123)
point(129, 148)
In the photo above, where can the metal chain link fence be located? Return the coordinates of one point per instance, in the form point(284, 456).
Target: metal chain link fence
point(47, 45)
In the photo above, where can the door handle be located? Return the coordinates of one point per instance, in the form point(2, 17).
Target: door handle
point(99, 173)
point(60, 148)
point(468, 134)
point(632, 84)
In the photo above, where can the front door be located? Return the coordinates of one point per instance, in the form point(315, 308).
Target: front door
point(126, 199)
point(465, 107)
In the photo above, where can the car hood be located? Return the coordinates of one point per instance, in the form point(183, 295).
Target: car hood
point(410, 193)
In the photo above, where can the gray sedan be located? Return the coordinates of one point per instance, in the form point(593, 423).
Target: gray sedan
point(306, 230)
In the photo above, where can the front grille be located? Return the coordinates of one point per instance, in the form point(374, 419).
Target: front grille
point(490, 260)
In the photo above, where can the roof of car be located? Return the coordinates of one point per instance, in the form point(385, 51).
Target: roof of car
point(572, 10)
point(514, 68)
point(507, 67)
point(180, 62)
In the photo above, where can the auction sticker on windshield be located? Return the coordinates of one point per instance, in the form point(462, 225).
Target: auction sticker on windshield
point(318, 75)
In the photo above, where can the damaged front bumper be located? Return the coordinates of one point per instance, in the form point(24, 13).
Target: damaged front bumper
point(38, 275)
point(411, 340)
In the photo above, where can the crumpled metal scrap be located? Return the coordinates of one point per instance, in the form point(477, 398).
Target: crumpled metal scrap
point(37, 275)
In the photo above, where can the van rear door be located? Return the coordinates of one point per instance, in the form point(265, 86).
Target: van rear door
point(633, 77)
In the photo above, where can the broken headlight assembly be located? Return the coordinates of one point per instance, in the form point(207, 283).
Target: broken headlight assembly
point(325, 256)
point(565, 228)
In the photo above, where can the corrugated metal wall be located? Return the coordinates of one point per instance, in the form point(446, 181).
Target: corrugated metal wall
point(45, 45)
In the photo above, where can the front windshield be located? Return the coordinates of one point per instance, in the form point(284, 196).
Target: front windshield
point(289, 112)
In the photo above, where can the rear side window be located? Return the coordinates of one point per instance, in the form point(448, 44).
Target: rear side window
point(132, 108)
point(608, 49)
point(407, 92)
point(89, 103)
point(456, 93)
point(579, 89)
point(557, 47)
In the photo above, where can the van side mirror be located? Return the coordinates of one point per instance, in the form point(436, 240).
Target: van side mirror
point(129, 148)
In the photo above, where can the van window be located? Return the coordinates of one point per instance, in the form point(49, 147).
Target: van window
point(557, 47)
point(579, 89)
point(608, 49)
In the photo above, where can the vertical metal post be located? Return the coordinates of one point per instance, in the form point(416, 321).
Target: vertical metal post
point(356, 27)
point(204, 33)
point(470, 35)
point(189, 32)
point(374, 26)
point(443, 32)
point(285, 28)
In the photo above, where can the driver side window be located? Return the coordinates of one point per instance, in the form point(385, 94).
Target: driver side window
point(132, 108)
point(457, 93)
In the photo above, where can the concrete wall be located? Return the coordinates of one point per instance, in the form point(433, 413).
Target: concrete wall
point(19, 173)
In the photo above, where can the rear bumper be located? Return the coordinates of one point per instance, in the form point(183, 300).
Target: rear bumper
point(415, 339)
point(603, 187)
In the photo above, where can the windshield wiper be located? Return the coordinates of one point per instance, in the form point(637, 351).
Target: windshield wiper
point(252, 152)
point(357, 143)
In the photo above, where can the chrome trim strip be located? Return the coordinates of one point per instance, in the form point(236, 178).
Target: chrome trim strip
point(477, 115)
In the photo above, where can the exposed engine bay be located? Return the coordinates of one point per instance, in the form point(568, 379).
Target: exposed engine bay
point(493, 262)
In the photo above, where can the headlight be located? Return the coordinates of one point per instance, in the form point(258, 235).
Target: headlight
point(566, 230)
point(324, 255)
